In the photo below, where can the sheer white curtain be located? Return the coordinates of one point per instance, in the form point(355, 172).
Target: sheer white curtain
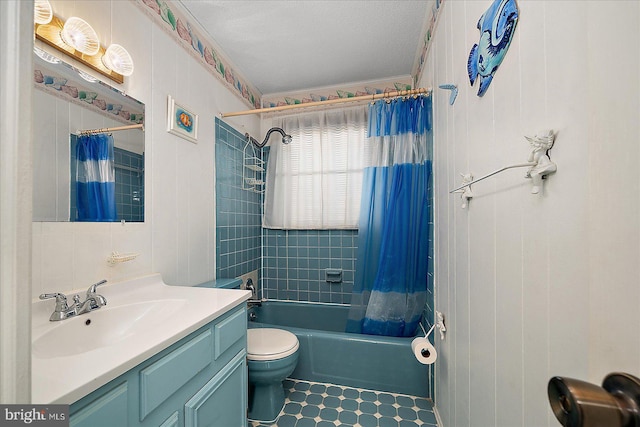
point(315, 182)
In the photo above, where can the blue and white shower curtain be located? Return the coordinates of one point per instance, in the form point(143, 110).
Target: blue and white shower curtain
point(95, 178)
point(390, 286)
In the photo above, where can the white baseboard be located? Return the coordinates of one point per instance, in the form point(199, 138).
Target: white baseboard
point(438, 419)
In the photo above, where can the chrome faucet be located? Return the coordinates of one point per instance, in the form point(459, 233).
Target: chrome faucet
point(93, 300)
point(63, 311)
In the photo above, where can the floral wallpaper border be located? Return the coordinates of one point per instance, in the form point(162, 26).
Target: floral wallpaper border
point(324, 94)
point(172, 19)
point(52, 82)
point(426, 41)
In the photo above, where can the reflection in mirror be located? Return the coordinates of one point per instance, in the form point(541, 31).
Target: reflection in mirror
point(67, 102)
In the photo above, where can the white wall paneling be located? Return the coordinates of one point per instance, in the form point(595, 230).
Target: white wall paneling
point(177, 238)
point(537, 286)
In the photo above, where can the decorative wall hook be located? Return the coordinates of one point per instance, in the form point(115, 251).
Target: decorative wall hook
point(543, 166)
point(454, 92)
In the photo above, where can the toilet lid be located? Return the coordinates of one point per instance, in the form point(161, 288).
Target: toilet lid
point(270, 344)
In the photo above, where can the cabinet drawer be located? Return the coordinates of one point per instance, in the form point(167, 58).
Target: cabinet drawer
point(229, 331)
point(164, 377)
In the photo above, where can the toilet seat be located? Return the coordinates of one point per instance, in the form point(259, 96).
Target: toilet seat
point(270, 344)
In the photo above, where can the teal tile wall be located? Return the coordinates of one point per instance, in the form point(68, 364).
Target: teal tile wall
point(238, 211)
point(129, 185)
point(295, 262)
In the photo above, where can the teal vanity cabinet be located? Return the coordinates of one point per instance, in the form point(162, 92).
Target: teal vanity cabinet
point(199, 381)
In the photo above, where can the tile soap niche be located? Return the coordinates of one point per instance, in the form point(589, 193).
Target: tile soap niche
point(333, 275)
point(252, 170)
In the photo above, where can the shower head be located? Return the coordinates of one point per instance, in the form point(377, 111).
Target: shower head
point(286, 138)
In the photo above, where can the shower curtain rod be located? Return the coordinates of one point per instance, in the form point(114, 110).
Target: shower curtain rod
point(105, 130)
point(393, 94)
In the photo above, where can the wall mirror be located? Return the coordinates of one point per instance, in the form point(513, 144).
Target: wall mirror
point(66, 101)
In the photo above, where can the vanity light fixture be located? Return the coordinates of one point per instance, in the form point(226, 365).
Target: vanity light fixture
point(77, 39)
point(42, 13)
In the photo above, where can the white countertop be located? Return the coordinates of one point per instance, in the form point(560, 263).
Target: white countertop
point(66, 379)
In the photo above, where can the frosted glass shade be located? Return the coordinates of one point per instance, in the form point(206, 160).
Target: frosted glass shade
point(78, 34)
point(117, 58)
point(42, 12)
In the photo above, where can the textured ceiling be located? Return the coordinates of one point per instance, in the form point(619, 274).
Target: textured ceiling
point(286, 46)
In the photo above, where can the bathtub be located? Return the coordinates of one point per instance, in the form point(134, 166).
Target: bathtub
point(330, 355)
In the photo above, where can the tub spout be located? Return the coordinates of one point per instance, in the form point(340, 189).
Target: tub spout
point(251, 287)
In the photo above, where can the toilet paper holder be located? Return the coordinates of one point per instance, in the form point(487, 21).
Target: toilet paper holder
point(577, 403)
point(424, 352)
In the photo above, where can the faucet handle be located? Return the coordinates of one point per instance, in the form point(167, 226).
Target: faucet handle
point(92, 289)
point(61, 300)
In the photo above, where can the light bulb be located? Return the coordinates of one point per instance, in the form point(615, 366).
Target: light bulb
point(42, 12)
point(78, 34)
point(117, 58)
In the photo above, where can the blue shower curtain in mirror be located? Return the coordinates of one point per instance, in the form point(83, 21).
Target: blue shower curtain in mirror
point(95, 178)
point(390, 286)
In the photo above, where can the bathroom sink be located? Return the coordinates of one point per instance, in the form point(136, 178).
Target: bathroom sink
point(103, 327)
point(73, 357)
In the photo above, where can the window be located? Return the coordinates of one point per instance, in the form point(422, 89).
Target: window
point(315, 182)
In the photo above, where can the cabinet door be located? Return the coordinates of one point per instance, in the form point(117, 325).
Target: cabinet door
point(223, 400)
point(108, 410)
point(159, 381)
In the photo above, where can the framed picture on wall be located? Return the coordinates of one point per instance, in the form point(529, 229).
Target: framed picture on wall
point(181, 120)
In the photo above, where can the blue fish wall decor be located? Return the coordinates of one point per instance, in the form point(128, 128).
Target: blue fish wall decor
point(496, 26)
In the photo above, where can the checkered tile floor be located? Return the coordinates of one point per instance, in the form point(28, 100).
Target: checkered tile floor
point(310, 404)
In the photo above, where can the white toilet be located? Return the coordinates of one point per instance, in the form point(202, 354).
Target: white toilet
point(272, 356)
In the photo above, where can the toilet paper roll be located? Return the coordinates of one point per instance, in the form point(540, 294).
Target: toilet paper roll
point(423, 351)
